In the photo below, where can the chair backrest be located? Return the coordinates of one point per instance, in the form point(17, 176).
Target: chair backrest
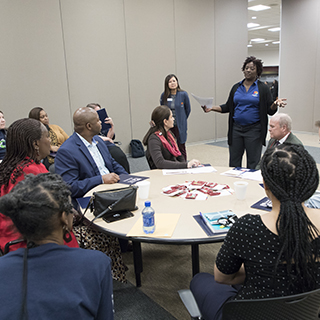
point(303, 306)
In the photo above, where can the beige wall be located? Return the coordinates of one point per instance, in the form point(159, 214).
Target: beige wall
point(300, 62)
point(64, 54)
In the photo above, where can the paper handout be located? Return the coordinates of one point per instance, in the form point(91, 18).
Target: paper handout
point(204, 101)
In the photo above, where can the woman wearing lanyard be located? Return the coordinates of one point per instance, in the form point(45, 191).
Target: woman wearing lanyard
point(249, 104)
point(178, 102)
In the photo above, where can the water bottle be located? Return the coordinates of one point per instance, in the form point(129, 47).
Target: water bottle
point(148, 218)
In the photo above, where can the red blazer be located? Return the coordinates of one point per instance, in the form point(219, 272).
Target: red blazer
point(8, 232)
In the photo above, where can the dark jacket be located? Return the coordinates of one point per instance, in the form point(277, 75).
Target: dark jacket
point(265, 102)
point(77, 167)
point(160, 158)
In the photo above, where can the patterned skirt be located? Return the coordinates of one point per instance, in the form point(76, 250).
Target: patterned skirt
point(89, 238)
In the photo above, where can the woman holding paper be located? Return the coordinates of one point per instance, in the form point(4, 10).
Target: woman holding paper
point(178, 102)
point(249, 104)
point(162, 148)
point(275, 254)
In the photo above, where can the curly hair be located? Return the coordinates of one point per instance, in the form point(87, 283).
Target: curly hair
point(291, 174)
point(257, 62)
point(20, 150)
point(34, 204)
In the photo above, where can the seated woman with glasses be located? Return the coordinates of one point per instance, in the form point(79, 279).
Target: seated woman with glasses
point(275, 254)
point(162, 149)
point(48, 280)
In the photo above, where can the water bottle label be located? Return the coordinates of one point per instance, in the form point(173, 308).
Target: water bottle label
point(148, 221)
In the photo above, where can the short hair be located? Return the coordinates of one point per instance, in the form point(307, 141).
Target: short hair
point(317, 123)
point(20, 151)
point(34, 204)
point(257, 62)
point(284, 120)
point(35, 113)
point(1, 112)
point(93, 105)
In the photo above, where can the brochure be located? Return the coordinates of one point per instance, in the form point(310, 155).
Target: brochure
point(220, 221)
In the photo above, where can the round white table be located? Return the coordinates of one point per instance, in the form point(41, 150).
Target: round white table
point(187, 230)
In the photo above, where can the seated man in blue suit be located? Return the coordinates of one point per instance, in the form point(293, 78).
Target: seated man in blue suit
point(84, 160)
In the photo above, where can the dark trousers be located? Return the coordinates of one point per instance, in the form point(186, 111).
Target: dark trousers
point(118, 155)
point(245, 138)
point(181, 146)
point(210, 295)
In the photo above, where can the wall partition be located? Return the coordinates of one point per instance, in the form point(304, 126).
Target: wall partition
point(63, 54)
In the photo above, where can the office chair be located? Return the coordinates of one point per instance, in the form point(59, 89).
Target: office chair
point(7, 246)
point(302, 306)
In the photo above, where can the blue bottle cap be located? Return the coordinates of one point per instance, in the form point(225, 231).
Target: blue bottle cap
point(147, 204)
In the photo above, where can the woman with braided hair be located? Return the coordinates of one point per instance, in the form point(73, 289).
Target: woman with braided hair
point(27, 144)
point(277, 253)
point(48, 280)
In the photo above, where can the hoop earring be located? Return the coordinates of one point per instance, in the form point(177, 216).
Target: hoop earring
point(66, 234)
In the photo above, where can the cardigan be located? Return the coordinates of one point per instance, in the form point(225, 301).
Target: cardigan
point(183, 109)
point(265, 103)
point(160, 158)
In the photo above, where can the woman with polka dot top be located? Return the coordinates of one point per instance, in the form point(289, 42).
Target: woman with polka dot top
point(275, 254)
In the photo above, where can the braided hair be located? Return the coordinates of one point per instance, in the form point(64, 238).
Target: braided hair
point(291, 175)
point(19, 144)
point(34, 203)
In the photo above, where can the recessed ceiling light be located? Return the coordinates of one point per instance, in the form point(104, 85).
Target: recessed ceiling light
point(266, 44)
point(257, 39)
point(274, 29)
point(254, 18)
point(259, 7)
point(249, 45)
point(252, 25)
point(276, 42)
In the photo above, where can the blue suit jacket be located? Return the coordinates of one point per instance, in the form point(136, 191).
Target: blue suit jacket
point(77, 167)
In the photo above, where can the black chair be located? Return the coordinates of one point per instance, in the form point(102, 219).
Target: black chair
point(7, 246)
point(303, 306)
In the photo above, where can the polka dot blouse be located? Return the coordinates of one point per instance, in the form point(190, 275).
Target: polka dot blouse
point(250, 242)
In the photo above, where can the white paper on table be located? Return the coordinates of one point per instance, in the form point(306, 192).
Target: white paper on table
point(204, 169)
point(256, 175)
point(204, 101)
point(232, 173)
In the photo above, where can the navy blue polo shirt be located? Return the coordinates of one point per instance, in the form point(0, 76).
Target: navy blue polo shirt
point(246, 109)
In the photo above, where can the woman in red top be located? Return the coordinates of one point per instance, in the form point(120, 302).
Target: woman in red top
point(28, 142)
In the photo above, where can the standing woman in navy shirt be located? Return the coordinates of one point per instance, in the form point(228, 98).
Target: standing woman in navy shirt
point(3, 134)
point(178, 102)
point(249, 104)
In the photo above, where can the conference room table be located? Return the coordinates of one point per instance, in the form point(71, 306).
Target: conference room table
point(187, 230)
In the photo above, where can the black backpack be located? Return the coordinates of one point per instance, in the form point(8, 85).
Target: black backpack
point(137, 149)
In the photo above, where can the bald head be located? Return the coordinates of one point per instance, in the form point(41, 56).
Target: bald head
point(280, 125)
point(86, 121)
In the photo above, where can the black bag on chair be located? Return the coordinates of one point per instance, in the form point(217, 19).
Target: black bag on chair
point(109, 204)
point(137, 149)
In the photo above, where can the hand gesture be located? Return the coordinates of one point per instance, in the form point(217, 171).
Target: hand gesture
point(281, 102)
